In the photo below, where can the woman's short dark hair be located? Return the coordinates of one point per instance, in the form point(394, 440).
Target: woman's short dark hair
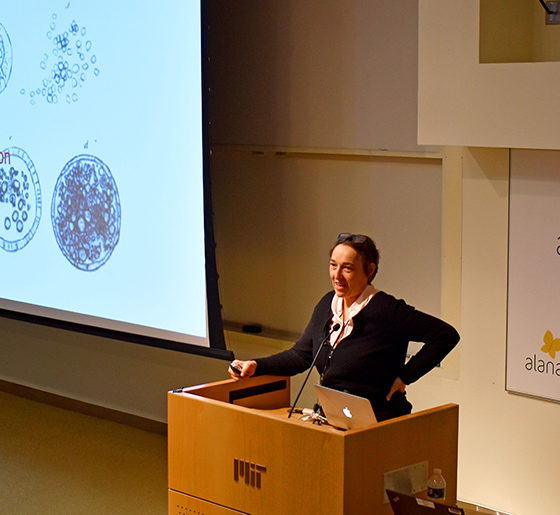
point(364, 246)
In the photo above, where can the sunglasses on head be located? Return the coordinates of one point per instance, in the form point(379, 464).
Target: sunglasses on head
point(355, 238)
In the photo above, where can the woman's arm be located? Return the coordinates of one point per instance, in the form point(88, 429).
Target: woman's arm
point(296, 359)
point(438, 337)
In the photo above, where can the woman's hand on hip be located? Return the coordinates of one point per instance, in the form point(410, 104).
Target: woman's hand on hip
point(398, 386)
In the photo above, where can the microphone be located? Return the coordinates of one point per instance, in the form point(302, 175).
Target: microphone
point(335, 328)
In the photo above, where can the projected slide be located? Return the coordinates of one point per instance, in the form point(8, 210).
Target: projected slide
point(101, 187)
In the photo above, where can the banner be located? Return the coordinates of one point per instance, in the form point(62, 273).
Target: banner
point(533, 332)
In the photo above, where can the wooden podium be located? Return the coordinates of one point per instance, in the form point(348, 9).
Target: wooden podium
point(233, 449)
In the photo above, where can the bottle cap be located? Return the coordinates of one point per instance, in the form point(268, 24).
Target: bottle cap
point(437, 471)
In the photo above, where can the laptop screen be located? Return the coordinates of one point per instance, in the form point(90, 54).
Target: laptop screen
point(406, 504)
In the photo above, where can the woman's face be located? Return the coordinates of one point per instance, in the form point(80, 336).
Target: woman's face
point(347, 273)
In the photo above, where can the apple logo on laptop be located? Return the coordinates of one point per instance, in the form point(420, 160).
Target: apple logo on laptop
point(347, 412)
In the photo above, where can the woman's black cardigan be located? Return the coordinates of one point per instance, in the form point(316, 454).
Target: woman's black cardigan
point(367, 361)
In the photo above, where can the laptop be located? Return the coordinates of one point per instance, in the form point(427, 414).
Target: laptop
point(344, 410)
point(406, 504)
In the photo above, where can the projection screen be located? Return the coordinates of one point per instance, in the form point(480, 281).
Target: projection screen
point(102, 171)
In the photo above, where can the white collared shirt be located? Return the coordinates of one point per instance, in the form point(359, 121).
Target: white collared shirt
point(337, 308)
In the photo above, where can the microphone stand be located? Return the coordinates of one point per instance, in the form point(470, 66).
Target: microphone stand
point(326, 339)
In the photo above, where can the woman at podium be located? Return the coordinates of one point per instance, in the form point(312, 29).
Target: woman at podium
point(359, 335)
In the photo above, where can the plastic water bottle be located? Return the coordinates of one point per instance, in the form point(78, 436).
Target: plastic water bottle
point(436, 485)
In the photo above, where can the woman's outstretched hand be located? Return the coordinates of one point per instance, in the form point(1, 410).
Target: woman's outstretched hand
point(245, 368)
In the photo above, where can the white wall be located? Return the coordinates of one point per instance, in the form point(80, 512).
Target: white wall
point(326, 73)
point(277, 218)
point(464, 102)
point(118, 375)
point(504, 460)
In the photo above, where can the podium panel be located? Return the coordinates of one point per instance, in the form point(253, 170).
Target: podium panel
point(232, 447)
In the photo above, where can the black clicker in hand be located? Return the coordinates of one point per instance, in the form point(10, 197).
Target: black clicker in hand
point(235, 368)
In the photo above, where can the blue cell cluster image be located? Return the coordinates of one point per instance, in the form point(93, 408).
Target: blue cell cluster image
point(5, 58)
point(20, 199)
point(68, 63)
point(86, 212)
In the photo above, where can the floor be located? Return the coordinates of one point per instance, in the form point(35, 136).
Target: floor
point(55, 461)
